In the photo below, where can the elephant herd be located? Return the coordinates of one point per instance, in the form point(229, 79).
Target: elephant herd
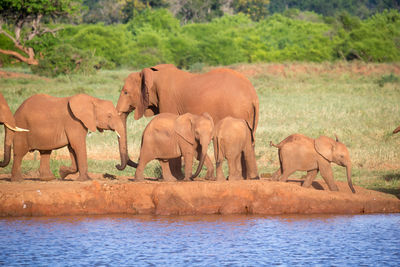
point(193, 109)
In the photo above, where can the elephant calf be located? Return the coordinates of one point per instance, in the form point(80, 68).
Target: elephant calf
point(169, 136)
point(55, 122)
point(301, 153)
point(233, 141)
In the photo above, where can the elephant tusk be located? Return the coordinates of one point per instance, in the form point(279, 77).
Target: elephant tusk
point(16, 129)
point(119, 136)
point(22, 129)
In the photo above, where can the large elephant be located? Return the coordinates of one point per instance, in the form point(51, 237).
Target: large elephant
point(7, 118)
point(170, 136)
point(301, 153)
point(232, 140)
point(165, 88)
point(55, 122)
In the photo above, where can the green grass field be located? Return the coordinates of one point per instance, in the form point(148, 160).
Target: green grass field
point(357, 101)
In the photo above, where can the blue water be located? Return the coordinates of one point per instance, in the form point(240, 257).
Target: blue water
point(361, 240)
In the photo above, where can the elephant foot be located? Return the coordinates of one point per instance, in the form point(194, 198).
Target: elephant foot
point(139, 178)
point(235, 178)
point(220, 178)
point(168, 178)
point(333, 187)
point(210, 177)
point(16, 178)
point(83, 178)
point(47, 178)
point(64, 171)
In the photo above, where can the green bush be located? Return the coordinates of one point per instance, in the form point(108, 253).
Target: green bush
point(65, 59)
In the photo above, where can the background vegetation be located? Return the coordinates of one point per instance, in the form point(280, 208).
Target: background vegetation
point(132, 33)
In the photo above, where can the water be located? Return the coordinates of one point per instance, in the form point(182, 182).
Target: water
point(361, 240)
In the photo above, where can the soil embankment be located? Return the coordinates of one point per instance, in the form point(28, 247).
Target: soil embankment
point(101, 196)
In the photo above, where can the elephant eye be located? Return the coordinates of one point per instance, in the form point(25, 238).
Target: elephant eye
point(125, 92)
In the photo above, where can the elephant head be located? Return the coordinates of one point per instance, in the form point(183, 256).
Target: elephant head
point(7, 118)
point(198, 131)
point(335, 151)
point(97, 114)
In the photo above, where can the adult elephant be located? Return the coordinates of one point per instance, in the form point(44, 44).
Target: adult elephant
point(55, 122)
point(7, 118)
point(164, 88)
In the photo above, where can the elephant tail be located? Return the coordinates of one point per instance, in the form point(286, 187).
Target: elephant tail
point(396, 130)
point(272, 144)
point(253, 127)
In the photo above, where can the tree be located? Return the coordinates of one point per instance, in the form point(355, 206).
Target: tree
point(18, 14)
point(199, 10)
point(256, 9)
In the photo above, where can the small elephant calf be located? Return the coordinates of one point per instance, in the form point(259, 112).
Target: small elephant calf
point(301, 153)
point(170, 136)
point(233, 141)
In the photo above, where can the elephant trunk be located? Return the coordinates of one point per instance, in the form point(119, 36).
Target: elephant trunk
point(8, 138)
point(348, 172)
point(123, 144)
point(203, 154)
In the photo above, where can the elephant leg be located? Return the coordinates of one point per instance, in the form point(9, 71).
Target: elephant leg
point(20, 149)
point(234, 165)
point(64, 171)
point(175, 165)
point(286, 172)
point(166, 171)
point(327, 174)
point(210, 169)
point(16, 175)
point(143, 160)
point(220, 173)
point(188, 158)
point(309, 178)
point(44, 169)
point(79, 147)
point(275, 176)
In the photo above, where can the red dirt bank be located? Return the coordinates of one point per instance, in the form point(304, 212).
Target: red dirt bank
point(33, 198)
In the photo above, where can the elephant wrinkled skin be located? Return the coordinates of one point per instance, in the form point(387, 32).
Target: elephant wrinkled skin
point(233, 141)
point(55, 122)
point(165, 88)
point(169, 136)
point(301, 153)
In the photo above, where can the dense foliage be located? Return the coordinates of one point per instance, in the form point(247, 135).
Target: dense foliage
point(156, 35)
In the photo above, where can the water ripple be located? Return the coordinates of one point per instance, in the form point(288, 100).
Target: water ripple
point(371, 240)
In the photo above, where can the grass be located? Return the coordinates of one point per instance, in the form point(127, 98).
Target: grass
point(359, 102)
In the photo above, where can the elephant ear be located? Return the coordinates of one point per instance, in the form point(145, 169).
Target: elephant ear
point(146, 85)
point(82, 106)
point(325, 146)
point(184, 127)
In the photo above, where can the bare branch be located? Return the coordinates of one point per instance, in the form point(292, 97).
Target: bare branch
point(29, 60)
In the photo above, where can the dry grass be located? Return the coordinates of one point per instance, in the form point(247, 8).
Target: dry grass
point(357, 101)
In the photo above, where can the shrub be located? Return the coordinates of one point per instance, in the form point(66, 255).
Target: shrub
point(65, 59)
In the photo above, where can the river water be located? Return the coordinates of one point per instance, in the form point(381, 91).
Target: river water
point(357, 240)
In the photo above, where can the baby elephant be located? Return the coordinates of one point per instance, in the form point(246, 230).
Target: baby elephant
point(170, 136)
point(301, 153)
point(233, 141)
